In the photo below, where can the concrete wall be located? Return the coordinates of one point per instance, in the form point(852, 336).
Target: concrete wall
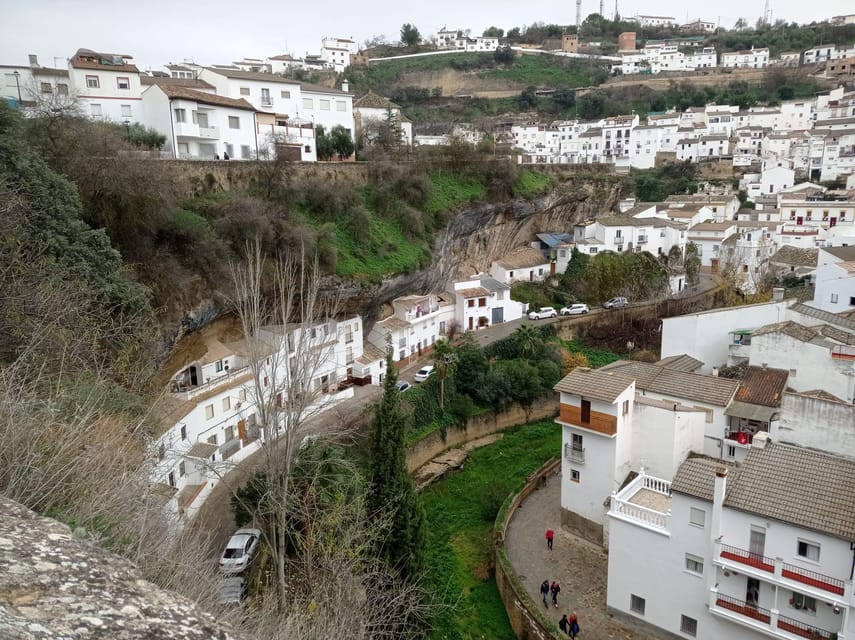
point(478, 427)
point(807, 421)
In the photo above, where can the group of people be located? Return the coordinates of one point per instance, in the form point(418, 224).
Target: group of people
point(569, 625)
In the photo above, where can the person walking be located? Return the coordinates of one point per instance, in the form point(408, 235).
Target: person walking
point(555, 588)
point(564, 624)
point(550, 534)
point(544, 591)
point(573, 625)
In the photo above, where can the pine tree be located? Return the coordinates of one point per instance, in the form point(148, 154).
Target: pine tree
point(392, 490)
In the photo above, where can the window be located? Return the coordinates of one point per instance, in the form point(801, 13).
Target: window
point(625, 408)
point(46, 88)
point(694, 564)
point(244, 91)
point(171, 478)
point(234, 122)
point(471, 302)
point(577, 442)
point(183, 431)
point(636, 603)
point(574, 475)
point(852, 301)
point(482, 302)
point(245, 152)
point(265, 96)
point(126, 110)
point(324, 105)
point(212, 439)
point(181, 469)
point(731, 451)
point(586, 411)
point(230, 433)
point(123, 83)
point(227, 404)
point(697, 516)
point(833, 298)
point(62, 89)
point(808, 550)
point(308, 104)
point(218, 366)
point(340, 105)
point(209, 412)
point(96, 110)
point(230, 150)
point(242, 395)
point(688, 625)
point(285, 94)
point(92, 82)
point(180, 115)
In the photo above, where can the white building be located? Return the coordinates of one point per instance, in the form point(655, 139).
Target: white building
point(371, 111)
point(415, 325)
point(835, 279)
point(200, 125)
point(337, 51)
point(631, 233)
point(522, 265)
point(483, 301)
point(106, 85)
point(656, 21)
point(763, 549)
point(747, 59)
point(823, 53)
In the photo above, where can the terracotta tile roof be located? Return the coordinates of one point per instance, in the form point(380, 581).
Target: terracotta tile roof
point(189, 83)
point(370, 353)
point(836, 319)
point(474, 292)
point(770, 477)
point(788, 328)
point(683, 362)
point(372, 101)
point(763, 386)
point(522, 258)
point(696, 477)
point(597, 384)
point(88, 59)
point(205, 98)
point(677, 384)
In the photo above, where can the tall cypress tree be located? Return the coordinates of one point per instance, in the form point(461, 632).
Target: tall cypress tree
point(392, 490)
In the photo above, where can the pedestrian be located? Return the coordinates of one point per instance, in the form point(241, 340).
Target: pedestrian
point(563, 624)
point(573, 625)
point(550, 534)
point(544, 591)
point(555, 589)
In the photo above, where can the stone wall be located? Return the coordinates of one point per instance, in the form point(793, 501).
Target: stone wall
point(524, 614)
point(478, 427)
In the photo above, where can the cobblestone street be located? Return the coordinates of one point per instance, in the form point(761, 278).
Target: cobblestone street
point(580, 567)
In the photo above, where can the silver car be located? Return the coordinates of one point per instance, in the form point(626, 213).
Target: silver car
point(240, 550)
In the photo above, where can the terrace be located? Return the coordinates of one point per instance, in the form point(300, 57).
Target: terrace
point(645, 502)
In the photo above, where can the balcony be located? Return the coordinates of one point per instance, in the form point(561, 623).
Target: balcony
point(765, 620)
point(646, 502)
point(209, 133)
point(843, 352)
point(741, 437)
point(574, 453)
point(642, 239)
point(782, 570)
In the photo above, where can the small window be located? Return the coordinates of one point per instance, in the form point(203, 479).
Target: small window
point(183, 431)
point(180, 115)
point(95, 109)
point(731, 451)
point(285, 94)
point(307, 103)
point(172, 479)
point(694, 564)
point(182, 469)
point(234, 122)
point(245, 152)
point(324, 105)
point(636, 604)
point(574, 475)
point(230, 433)
point(625, 408)
point(244, 91)
point(46, 87)
point(340, 105)
point(801, 601)
point(242, 395)
point(577, 442)
point(126, 110)
point(123, 83)
point(852, 301)
point(92, 82)
point(227, 404)
point(689, 626)
point(697, 516)
point(218, 366)
point(308, 149)
point(482, 302)
point(808, 550)
point(212, 439)
point(471, 302)
point(209, 411)
point(833, 298)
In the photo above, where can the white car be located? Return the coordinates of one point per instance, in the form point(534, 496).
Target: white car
point(545, 312)
point(240, 550)
point(423, 373)
point(403, 385)
point(574, 309)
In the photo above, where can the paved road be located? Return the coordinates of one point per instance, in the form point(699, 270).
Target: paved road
point(580, 567)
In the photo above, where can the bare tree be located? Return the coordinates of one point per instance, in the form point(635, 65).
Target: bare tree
point(287, 327)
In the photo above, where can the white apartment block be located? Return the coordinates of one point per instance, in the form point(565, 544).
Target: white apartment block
point(337, 51)
point(819, 54)
point(482, 301)
point(747, 59)
point(106, 86)
point(835, 279)
point(656, 21)
point(631, 233)
point(415, 325)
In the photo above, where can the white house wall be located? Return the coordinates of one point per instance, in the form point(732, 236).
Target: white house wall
point(816, 423)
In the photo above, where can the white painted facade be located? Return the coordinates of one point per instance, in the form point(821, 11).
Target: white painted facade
point(749, 59)
point(817, 423)
point(835, 280)
point(482, 302)
point(415, 325)
point(106, 86)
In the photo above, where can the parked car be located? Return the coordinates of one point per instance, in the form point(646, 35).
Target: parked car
point(423, 373)
point(574, 309)
point(240, 550)
point(544, 312)
point(616, 303)
point(232, 590)
point(403, 385)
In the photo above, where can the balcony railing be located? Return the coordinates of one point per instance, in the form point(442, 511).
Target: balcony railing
point(746, 557)
point(211, 133)
point(743, 608)
point(843, 352)
point(812, 578)
point(742, 437)
point(802, 629)
point(574, 454)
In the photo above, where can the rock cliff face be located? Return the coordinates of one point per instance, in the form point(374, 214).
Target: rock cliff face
point(53, 586)
point(480, 234)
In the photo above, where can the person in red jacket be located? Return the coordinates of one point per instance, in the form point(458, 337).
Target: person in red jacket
point(550, 534)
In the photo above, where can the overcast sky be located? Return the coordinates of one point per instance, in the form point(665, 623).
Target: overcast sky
point(157, 32)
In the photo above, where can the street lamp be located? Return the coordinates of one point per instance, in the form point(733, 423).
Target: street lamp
point(18, 84)
point(128, 129)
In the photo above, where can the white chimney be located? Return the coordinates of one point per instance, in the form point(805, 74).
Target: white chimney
point(345, 86)
point(34, 60)
point(715, 520)
point(760, 440)
point(715, 371)
point(777, 294)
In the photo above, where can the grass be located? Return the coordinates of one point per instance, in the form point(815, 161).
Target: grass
point(596, 357)
point(388, 252)
point(461, 510)
point(449, 192)
point(532, 184)
point(546, 70)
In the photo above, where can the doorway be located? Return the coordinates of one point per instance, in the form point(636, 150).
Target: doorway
point(757, 545)
point(752, 592)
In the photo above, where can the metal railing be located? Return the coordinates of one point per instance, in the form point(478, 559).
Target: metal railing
point(812, 578)
point(574, 454)
point(743, 608)
point(746, 557)
point(803, 629)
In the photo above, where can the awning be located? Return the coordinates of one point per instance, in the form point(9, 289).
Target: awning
point(743, 332)
point(751, 411)
point(201, 450)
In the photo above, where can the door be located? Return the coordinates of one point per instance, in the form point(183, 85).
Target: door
point(194, 376)
point(800, 220)
point(714, 265)
point(242, 430)
point(471, 323)
point(419, 347)
point(757, 545)
point(752, 592)
point(586, 411)
point(498, 315)
point(832, 222)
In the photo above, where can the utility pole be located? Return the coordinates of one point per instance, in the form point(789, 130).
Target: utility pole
point(603, 8)
point(578, 15)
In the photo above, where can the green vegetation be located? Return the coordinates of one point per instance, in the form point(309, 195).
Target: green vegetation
point(549, 71)
point(451, 190)
point(532, 184)
point(654, 185)
point(460, 512)
point(782, 37)
point(596, 357)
